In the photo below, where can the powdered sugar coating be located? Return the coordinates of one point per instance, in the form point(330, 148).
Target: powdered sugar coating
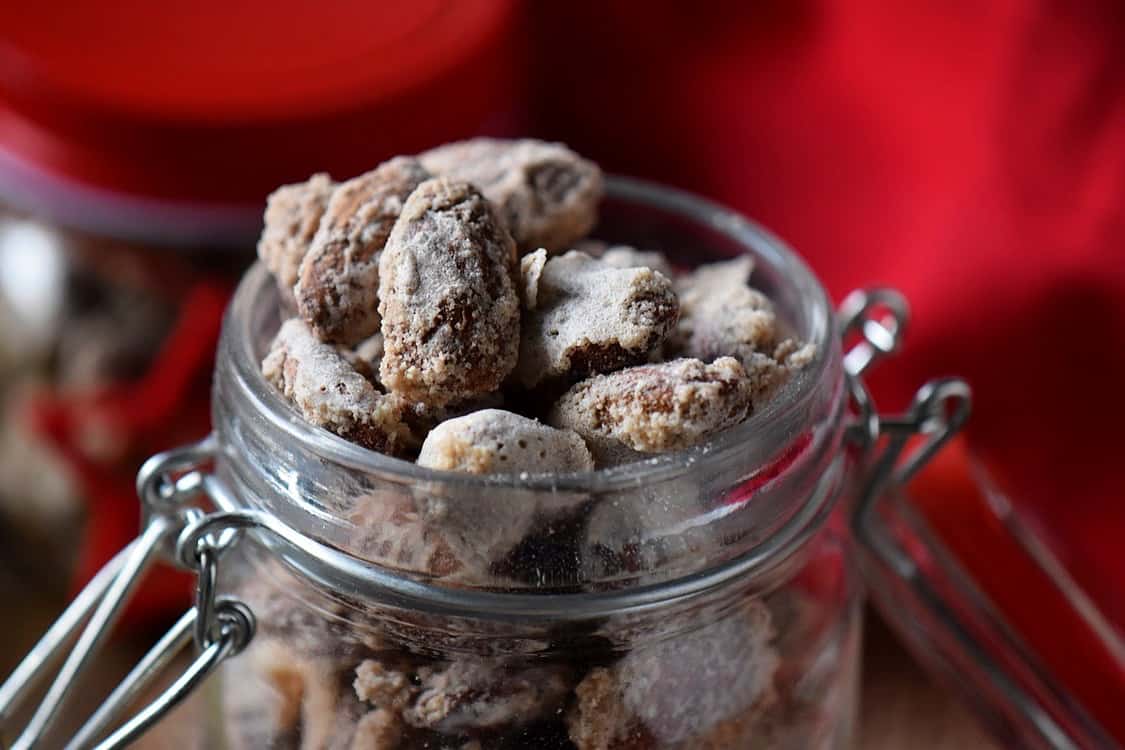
point(449, 306)
point(329, 393)
point(531, 271)
point(365, 357)
point(291, 219)
point(680, 687)
point(642, 534)
point(656, 408)
point(472, 694)
point(546, 193)
point(626, 256)
point(479, 529)
point(591, 317)
point(383, 685)
point(696, 687)
point(717, 275)
point(377, 730)
point(599, 718)
point(720, 315)
point(337, 292)
point(493, 441)
point(767, 373)
point(482, 529)
point(794, 355)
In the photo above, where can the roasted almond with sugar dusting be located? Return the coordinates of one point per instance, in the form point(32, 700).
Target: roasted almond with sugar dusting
point(547, 194)
point(590, 317)
point(338, 286)
point(656, 408)
point(329, 392)
point(291, 219)
point(450, 310)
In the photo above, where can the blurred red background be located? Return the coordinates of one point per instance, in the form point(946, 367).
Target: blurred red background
point(972, 155)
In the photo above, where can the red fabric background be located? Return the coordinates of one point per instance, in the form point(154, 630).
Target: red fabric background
point(972, 155)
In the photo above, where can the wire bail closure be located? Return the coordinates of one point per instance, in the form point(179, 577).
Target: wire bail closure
point(177, 530)
point(939, 410)
point(895, 449)
point(168, 485)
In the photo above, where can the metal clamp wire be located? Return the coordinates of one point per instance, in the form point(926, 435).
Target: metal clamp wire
point(879, 336)
point(863, 432)
point(163, 494)
point(233, 635)
point(109, 608)
point(215, 531)
point(157, 491)
point(940, 409)
point(205, 622)
point(101, 602)
point(49, 648)
point(158, 657)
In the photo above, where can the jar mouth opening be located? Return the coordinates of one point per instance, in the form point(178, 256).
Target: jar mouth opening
point(759, 437)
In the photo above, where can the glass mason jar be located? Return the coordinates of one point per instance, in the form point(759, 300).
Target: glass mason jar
point(704, 599)
point(699, 600)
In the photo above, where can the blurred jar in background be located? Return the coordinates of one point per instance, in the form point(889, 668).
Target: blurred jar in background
point(137, 145)
point(82, 324)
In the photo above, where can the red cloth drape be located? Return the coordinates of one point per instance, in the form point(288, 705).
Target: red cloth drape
point(973, 155)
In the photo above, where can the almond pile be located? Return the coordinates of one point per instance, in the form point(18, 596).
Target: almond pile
point(450, 309)
point(460, 285)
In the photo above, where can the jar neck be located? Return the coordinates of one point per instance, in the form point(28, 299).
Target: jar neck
point(736, 507)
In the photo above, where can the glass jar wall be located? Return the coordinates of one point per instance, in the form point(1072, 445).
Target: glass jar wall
point(696, 600)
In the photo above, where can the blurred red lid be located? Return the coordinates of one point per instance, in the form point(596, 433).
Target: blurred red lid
point(219, 102)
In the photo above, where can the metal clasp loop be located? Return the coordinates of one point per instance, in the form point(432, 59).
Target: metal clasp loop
point(939, 410)
point(880, 316)
point(921, 589)
point(175, 529)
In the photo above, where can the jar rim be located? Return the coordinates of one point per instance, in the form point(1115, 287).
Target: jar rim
point(761, 435)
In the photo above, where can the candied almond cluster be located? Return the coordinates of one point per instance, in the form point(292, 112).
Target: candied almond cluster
point(434, 292)
point(450, 309)
point(332, 678)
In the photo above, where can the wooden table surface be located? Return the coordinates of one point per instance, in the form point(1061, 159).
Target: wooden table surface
point(901, 707)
